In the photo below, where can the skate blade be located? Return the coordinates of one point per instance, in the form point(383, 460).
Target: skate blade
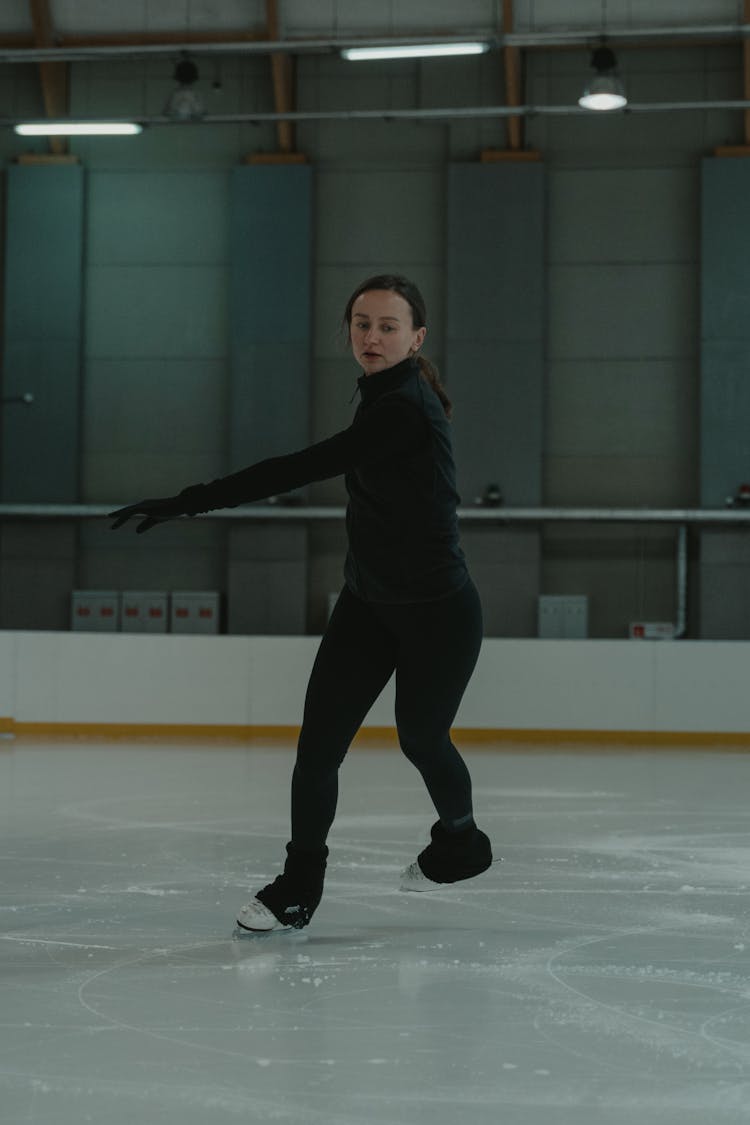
point(429, 886)
point(243, 933)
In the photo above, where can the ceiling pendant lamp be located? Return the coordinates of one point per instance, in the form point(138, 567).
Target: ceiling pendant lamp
point(184, 104)
point(605, 91)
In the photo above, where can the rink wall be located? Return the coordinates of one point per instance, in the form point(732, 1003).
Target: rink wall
point(233, 685)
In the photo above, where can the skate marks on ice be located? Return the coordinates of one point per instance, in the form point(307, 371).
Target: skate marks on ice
point(599, 974)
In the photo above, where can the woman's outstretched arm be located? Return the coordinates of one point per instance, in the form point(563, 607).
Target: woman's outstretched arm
point(389, 429)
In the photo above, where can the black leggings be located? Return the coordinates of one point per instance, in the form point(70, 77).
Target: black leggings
point(433, 647)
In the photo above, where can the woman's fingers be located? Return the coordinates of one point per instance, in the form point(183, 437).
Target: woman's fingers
point(156, 511)
point(122, 515)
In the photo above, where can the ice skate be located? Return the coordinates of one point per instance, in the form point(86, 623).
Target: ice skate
point(258, 919)
point(414, 879)
point(290, 901)
point(450, 858)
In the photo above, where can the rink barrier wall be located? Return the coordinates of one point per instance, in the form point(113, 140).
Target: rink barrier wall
point(247, 687)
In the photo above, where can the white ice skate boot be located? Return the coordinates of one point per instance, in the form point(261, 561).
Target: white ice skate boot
point(451, 857)
point(258, 918)
point(290, 901)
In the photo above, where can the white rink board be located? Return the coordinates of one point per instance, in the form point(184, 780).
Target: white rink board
point(680, 686)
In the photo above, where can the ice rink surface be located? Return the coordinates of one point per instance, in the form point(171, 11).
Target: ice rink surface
point(599, 976)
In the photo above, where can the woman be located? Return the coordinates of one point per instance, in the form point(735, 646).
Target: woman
point(408, 603)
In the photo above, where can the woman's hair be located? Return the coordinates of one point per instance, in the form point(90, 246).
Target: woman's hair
point(408, 290)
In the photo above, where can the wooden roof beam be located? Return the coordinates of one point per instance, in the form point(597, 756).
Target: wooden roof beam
point(53, 75)
point(512, 65)
point(746, 69)
point(282, 73)
point(515, 149)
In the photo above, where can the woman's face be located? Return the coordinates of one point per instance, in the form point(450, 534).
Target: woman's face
point(381, 330)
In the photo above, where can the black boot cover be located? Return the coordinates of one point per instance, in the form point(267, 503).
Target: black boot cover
point(453, 856)
point(294, 896)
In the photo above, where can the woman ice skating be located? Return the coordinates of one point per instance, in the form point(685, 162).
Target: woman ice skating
point(408, 603)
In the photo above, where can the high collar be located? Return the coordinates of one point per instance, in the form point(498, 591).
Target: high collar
point(373, 386)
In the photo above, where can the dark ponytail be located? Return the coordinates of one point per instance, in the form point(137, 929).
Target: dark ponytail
point(408, 290)
point(430, 373)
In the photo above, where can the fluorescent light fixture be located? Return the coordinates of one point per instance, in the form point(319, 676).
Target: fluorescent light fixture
point(415, 51)
point(79, 128)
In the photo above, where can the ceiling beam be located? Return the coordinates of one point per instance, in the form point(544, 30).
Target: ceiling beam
point(53, 75)
point(746, 69)
point(512, 61)
point(282, 73)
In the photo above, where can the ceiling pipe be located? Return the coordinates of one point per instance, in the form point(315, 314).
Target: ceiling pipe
point(528, 40)
point(626, 37)
point(231, 47)
point(446, 114)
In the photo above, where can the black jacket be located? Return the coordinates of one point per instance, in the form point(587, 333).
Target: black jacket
point(401, 518)
point(400, 476)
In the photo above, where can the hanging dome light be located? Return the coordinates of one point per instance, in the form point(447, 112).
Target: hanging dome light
point(605, 90)
point(183, 104)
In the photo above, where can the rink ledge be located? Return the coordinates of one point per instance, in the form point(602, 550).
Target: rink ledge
point(122, 685)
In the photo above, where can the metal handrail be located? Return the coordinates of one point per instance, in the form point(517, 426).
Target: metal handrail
point(498, 515)
point(283, 510)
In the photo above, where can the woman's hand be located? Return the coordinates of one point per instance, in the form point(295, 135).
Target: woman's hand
point(155, 511)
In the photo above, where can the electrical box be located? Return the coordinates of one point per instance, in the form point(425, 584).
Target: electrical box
point(652, 630)
point(195, 611)
point(564, 616)
point(143, 611)
point(95, 611)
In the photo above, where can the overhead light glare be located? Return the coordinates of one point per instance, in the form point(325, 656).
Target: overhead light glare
point(602, 100)
point(605, 91)
point(78, 128)
point(183, 104)
point(414, 51)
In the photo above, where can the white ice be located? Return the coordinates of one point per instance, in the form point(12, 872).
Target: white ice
point(599, 976)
